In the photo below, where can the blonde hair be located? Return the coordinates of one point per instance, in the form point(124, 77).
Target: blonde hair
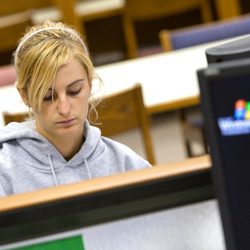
point(41, 52)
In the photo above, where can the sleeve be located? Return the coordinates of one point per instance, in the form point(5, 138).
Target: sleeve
point(2, 192)
point(133, 161)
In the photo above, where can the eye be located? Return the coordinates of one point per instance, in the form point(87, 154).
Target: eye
point(75, 91)
point(48, 96)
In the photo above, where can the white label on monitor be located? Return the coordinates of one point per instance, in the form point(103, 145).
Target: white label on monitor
point(230, 127)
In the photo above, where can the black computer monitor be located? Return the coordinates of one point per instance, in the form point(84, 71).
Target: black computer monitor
point(225, 102)
point(61, 223)
point(236, 49)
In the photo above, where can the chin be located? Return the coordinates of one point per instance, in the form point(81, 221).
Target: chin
point(75, 128)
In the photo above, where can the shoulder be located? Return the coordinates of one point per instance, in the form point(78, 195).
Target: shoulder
point(110, 153)
point(124, 155)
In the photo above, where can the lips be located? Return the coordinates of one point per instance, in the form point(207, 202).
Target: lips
point(66, 123)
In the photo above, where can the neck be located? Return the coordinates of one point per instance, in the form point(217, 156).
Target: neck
point(68, 146)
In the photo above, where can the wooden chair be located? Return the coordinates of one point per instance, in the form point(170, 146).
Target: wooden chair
point(204, 33)
point(123, 111)
point(195, 35)
point(77, 13)
point(140, 10)
point(15, 117)
point(12, 28)
point(228, 8)
point(69, 15)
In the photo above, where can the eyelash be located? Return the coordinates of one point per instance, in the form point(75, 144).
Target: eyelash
point(75, 92)
point(71, 93)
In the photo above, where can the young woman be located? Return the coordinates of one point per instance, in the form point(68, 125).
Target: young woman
point(59, 146)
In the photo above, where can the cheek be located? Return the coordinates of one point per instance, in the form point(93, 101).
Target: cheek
point(46, 112)
point(84, 98)
point(83, 103)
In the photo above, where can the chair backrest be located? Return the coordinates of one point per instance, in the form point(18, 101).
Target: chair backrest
point(69, 13)
point(14, 117)
point(15, 16)
point(67, 9)
point(12, 28)
point(123, 111)
point(117, 113)
point(204, 33)
point(139, 10)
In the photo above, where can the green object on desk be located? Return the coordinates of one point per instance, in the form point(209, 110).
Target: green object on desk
point(72, 243)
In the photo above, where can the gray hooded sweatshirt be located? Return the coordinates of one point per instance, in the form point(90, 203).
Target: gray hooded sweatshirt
point(28, 161)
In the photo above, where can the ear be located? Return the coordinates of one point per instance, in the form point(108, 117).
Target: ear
point(23, 93)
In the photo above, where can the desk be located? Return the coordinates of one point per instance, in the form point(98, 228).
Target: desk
point(86, 203)
point(168, 80)
point(86, 10)
point(190, 166)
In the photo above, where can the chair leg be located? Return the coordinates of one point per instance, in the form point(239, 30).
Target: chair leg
point(185, 130)
point(130, 36)
point(204, 142)
point(183, 122)
point(206, 11)
point(188, 149)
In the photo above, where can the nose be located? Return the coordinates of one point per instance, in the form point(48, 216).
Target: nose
point(63, 106)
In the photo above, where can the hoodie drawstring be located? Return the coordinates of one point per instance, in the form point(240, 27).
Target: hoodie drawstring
point(87, 167)
point(53, 171)
point(52, 168)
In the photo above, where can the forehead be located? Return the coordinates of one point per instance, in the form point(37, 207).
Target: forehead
point(73, 65)
point(70, 72)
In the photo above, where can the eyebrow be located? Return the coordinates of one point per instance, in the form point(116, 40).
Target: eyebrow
point(71, 84)
point(76, 81)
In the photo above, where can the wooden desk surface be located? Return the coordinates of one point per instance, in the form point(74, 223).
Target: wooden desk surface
point(168, 80)
point(164, 171)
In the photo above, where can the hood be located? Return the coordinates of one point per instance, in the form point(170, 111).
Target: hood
point(40, 150)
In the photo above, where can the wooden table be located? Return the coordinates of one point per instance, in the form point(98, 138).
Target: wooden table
point(168, 80)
